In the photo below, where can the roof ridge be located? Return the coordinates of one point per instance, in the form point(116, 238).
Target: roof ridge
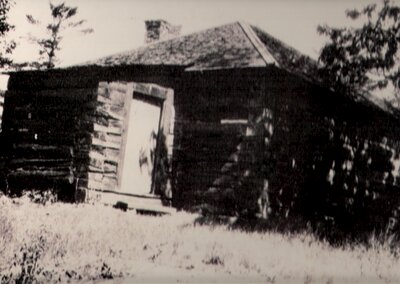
point(258, 45)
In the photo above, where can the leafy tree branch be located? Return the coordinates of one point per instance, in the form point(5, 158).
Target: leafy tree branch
point(365, 58)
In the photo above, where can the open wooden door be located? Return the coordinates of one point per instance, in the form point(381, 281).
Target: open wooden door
point(140, 147)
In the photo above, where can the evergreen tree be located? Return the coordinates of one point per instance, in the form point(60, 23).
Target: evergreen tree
point(6, 47)
point(62, 18)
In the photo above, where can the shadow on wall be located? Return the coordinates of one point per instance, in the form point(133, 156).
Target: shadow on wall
point(301, 171)
point(242, 186)
point(156, 162)
point(354, 182)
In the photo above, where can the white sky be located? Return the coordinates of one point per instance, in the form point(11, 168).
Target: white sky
point(119, 24)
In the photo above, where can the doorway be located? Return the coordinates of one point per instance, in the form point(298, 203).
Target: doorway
point(140, 149)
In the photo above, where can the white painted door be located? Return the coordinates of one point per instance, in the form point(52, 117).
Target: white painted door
point(140, 147)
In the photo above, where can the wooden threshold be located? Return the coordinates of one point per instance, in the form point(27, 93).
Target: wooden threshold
point(146, 203)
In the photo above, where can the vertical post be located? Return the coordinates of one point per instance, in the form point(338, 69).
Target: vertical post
point(124, 134)
point(163, 136)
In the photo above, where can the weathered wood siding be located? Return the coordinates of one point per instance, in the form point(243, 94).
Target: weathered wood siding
point(44, 132)
point(100, 167)
point(235, 134)
point(345, 174)
point(320, 156)
point(63, 129)
point(213, 142)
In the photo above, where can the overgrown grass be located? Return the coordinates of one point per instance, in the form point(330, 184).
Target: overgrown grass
point(68, 242)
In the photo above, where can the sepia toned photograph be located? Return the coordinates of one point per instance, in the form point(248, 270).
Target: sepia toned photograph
point(190, 141)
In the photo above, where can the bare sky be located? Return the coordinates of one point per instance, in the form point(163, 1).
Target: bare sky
point(119, 24)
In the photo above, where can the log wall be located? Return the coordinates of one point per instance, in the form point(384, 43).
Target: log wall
point(44, 133)
point(235, 135)
point(333, 160)
point(63, 130)
point(101, 157)
point(214, 146)
point(318, 156)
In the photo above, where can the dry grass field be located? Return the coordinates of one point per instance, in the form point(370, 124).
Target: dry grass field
point(59, 243)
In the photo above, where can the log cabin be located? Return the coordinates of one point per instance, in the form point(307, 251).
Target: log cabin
point(213, 119)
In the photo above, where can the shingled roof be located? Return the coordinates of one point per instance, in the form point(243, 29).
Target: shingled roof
point(235, 45)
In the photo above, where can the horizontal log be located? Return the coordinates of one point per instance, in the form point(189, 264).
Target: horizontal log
point(87, 121)
point(107, 107)
point(102, 86)
point(202, 129)
point(101, 185)
point(107, 129)
point(115, 123)
point(121, 111)
point(190, 124)
point(110, 168)
point(216, 154)
point(100, 135)
point(119, 87)
point(237, 122)
point(89, 76)
point(105, 144)
point(102, 98)
point(91, 169)
point(98, 138)
point(40, 182)
point(111, 97)
point(235, 103)
point(13, 99)
point(42, 151)
point(111, 138)
point(100, 156)
point(214, 157)
point(91, 184)
point(96, 160)
point(40, 162)
point(110, 175)
point(82, 144)
point(110, 182)
point(48, 173)
point(74, 94)
point(213, 165)
point(86, 94)
point(95, 176)
point(61, 167)
point(43, 108)
point(108, 113)
point(112, 155)
point(230, 142)
point(24, 135)
point(60, 125)
point(99, 177)
point(38, 147)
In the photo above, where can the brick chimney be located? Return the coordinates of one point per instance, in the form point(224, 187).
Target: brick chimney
point(160, 30)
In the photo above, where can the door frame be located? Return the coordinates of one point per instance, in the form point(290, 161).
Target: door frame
point(164, 97)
